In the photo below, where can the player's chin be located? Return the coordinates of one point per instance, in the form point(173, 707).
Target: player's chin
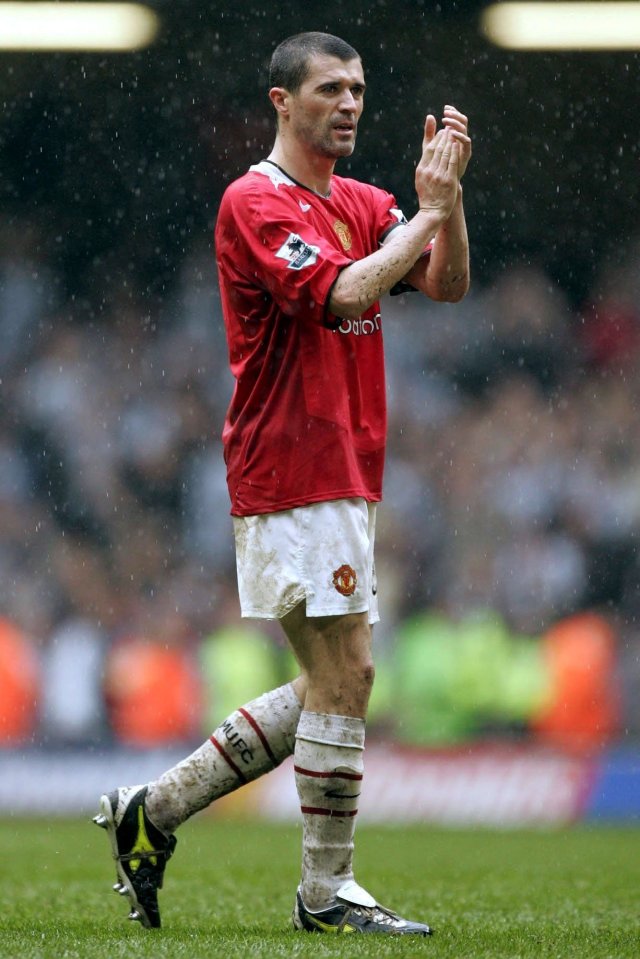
point(344, 149)
point(341, 143)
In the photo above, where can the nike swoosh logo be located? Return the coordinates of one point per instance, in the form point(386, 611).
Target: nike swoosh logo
point(329, 928)
point(304, 206)
point(332, 794)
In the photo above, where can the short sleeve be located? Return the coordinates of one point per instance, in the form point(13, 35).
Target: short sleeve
point(284, 252)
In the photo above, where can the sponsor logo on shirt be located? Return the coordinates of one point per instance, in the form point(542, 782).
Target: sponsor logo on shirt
point(345, 579)
point(297, 252)
point(344, 234)
point(305, 207)
point(361, 326)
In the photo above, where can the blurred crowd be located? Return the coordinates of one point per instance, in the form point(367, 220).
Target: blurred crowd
point(512, 486)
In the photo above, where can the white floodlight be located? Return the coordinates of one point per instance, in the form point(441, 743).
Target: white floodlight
point(76, 26)
point(563, 26)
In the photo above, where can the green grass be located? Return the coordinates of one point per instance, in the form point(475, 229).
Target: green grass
point(229, 889)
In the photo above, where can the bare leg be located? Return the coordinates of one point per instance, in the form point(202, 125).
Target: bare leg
point(334, 653)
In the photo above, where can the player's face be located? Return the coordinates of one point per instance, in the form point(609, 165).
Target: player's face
point(324, 112)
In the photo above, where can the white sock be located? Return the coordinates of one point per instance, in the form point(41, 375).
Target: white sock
point(251, 741)
point(328, 770)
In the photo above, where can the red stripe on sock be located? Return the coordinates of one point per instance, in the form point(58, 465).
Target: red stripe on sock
point(320, 811)
point(259, 733)
point(353, 777)
point(228, 759)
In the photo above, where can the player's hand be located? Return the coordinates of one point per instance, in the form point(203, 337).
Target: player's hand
point(459, 124)
point(437, 177)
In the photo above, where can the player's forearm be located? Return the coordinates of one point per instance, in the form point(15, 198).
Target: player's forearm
point(445, 275)
point(363, 283)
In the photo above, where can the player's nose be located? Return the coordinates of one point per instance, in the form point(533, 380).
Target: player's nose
point(347, 102)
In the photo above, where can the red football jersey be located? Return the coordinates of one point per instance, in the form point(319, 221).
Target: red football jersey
point(307, 421)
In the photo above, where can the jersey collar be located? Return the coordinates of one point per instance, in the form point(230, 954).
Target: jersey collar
point(279, 176)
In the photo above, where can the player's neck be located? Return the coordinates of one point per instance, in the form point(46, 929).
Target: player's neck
point(307, 168)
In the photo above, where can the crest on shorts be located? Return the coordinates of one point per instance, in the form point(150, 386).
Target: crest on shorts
point(344, 234)
point(345, 579)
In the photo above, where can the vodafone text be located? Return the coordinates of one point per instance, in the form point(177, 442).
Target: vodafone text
point(362, 326)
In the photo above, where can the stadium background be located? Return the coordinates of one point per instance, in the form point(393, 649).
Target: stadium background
point(508, 654)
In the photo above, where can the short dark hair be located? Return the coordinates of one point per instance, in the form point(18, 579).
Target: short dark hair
point(290, 61)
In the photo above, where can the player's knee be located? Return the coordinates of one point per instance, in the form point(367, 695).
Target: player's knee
point(357, 666)
point(360, 675)
point(367, 675)
point(346, 689)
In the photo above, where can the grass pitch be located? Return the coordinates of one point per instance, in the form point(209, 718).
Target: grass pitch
point(230, 886)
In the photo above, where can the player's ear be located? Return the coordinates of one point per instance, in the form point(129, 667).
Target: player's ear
point(279, 96)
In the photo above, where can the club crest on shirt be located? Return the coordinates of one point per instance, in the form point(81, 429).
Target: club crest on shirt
point(344, 234)
point(345, 579)
point(298, 252)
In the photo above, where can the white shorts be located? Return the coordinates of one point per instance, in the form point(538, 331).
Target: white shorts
point(321, 553)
